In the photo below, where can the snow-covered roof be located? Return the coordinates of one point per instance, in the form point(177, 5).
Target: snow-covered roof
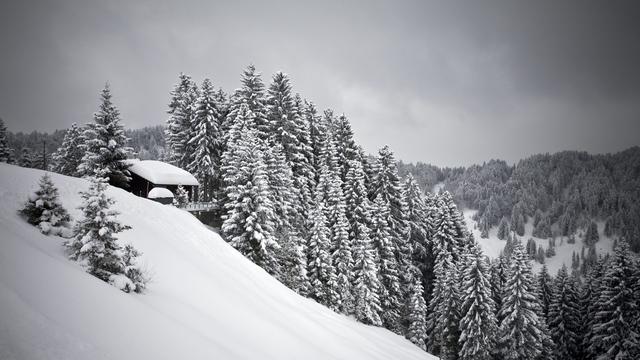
point(161, 173)
point(159, 193)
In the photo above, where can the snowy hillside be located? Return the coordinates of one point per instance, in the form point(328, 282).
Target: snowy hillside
point(564, 250)
point(206, 301)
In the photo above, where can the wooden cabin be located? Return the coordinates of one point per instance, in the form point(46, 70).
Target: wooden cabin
point(149, 174)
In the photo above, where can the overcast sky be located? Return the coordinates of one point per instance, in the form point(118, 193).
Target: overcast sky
point(445, 82)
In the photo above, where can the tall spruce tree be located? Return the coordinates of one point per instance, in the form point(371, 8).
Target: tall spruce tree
point(69, 155)
point(520, 331)
point(206, 142)
point(250, 220)
point(478, 325)
point(106, 144)
point(564, 316)
point(321, 272)
point(390, 294)
point(5, 150)
point(179, 130)
point(545, 290)
point(416, 310)
point(614, 334)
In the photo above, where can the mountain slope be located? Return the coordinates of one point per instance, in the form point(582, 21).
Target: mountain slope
point(205, 300)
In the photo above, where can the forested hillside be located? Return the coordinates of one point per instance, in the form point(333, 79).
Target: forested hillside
point(562, 192)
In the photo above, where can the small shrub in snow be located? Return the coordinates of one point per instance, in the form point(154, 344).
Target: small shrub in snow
point(96, 245)
point(181, 197)
point(45, 211)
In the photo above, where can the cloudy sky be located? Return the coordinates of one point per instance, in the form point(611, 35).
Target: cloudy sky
point(445, 82)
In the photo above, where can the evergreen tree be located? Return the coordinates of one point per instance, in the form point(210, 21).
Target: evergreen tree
point(43, 209)
point(179, 130)
point(616, 310)
point(503, 229)
point(5, 150)
point(322, 276)
point(367, 286)
point(499, 269)
point(417, 222)
point(478, 325)
point(251, 94)
point(543, 229)
point(390, 294)
point(181, 197)
point(69, 156)
point(519, 335)
point(26, 158)
point(416, 310)
point(545, 290)
point(564, 316)
point(96, 244)
point(588, 297)
point(444, 315)
point(206, 142)
point(591, 237)
point(342, 256)
point(106, 144)
point(250, 220)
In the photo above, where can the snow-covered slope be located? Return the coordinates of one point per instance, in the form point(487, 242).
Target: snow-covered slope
point(206, 301)
point(564, 250)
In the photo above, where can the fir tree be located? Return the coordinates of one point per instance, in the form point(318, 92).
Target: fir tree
point(564, 316)
point(519, 335)
point(322, 276)
point(416, 310)
point(503, 229)
point(250, 220)
point(43, 209)
point(5, 150)
point(181, 197)
point(106, 144)
point(179, 130)
point(591, 237)
point(390, 294)
point(545, 290)
point(444, 315)
point(69, 156)
point(206, 142)
point(96, 244)
point(251, 95)
point(616, 310)
point(478, 325)
point(26, 158)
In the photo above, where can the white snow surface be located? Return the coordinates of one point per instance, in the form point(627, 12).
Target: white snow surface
point(162, 173)
point(205, 301)
point(564, 251)
point(160, 192)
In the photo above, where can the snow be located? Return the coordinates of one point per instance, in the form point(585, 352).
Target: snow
point(564, 251)
point(205, 300)
point(161, 173)
point(160, 192)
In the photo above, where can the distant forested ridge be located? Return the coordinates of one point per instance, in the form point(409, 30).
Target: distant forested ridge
point(566, 190)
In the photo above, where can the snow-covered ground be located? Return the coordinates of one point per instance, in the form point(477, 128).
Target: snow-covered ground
point(206, 301)
point(564, 250)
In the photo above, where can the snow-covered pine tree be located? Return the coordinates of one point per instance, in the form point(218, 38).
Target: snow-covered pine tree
point(520, 334)
point(478, 325)
point(206, 142)
point(252, 95)
point(499, 270)
point(503, 229)
point(417, 222)
point(69, 155)
point(283, 124)
point(341, 243)
point(321, 273)
point(5, 150)
point(106, 144)
point(390, 293)
point(317, 139)
point(416, 310)
point(564, 316)
point(96, 244)
point(250, 220)
point(545, 290)
point(346, 147)
point(43, 209)
point(588, 297)
point(614, 334)
point(443, 319)
point(179, 130)
point(26, 158)
point(591, 237)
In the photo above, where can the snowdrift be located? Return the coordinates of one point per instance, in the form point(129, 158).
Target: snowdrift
point(206, 301)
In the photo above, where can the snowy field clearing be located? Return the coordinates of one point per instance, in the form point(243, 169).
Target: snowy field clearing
point(206, 301)
point(564, 250)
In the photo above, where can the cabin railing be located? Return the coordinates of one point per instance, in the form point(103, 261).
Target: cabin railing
point(199, 206)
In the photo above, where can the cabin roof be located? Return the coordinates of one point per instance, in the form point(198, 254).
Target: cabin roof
point(161, 173)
